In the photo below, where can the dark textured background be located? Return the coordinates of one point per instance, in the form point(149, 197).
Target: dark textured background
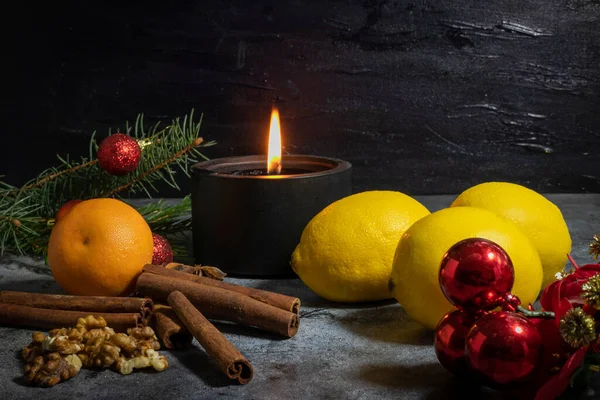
point(421, 96)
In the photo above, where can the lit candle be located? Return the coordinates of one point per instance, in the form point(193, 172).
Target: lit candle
point(249, 211)
point(274, 151)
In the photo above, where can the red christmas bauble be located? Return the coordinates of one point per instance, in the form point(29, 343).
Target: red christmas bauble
point(163, 253)
point(504, 349)
point(449, 340)
point(477, 274)
point(119, 154)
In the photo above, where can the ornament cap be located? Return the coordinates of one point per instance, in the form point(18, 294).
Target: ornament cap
point(511, 302)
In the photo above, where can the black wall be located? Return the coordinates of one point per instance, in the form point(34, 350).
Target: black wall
point(421, 96)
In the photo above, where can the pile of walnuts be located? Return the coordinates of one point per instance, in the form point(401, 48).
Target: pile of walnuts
point(58, 356)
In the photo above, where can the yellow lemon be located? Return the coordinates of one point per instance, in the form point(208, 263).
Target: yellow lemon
point(537, 217)
point(414, 279)
point(345, 253)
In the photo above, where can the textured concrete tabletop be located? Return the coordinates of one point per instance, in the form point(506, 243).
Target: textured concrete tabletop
point(369, 351)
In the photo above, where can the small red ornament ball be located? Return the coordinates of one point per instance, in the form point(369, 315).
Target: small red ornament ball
point(476, 274)
point(119, 154)
point(163, 253)
point(504, 349)
point(450, 337)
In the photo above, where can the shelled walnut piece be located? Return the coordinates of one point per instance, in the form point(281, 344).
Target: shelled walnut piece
point(60, 355)
point(52, 368)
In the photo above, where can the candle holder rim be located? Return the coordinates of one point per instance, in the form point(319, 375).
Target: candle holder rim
point(218, 166)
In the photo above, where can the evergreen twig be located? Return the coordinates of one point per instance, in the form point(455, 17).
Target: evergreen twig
point(55, 175)
point(27, 212)
point(167, 219)
point(154, 169)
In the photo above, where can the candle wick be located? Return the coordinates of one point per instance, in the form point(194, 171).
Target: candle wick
point(274, 167)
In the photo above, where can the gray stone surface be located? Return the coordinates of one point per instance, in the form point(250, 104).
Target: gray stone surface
point(367, 351)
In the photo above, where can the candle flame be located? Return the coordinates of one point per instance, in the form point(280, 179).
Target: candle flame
point(274, 152)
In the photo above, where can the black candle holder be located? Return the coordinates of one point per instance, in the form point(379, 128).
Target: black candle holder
point(248, 223)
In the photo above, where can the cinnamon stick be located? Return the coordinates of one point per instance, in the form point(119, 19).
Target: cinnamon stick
point(227, 357)
point(222, 304)
point(169, 328)
point(278, 300)
point(80, 303)
point(44, 318)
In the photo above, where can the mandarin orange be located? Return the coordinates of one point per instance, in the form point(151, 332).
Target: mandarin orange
point(99, 248)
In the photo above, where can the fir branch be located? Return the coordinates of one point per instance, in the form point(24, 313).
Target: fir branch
point(52, 176)
point(21, 225)
point(26, 213)
point(167, 219)
point(172, 227)
point(154, 170)
point(179, 251)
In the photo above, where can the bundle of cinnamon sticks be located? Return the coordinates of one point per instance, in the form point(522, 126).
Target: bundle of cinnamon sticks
point(178, 304)
point(193, 300)
point(49, 311)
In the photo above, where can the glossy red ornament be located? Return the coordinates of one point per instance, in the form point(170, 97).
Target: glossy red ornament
point(163, 253)
point(476, 273)
point(449, 340)
point(504, 349)
point(119, 154)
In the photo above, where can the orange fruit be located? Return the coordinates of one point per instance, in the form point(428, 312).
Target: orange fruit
point(99, 248)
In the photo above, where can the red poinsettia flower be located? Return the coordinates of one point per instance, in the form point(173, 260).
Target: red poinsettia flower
point(559, 297)
point(568, 287)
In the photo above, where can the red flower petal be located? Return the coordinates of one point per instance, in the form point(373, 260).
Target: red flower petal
point(568, 288)
point(563, 306)
point(557, 295)
point(548, 295)
point(556, 385)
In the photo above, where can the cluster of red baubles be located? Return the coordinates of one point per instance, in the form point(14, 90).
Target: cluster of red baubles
point(503, 349)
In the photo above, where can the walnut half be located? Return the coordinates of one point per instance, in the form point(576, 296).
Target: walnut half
point(91, 322)
point(152, 359)
point(99, 352)
point(34, 348)
point(51, 368)
point(61, 344)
